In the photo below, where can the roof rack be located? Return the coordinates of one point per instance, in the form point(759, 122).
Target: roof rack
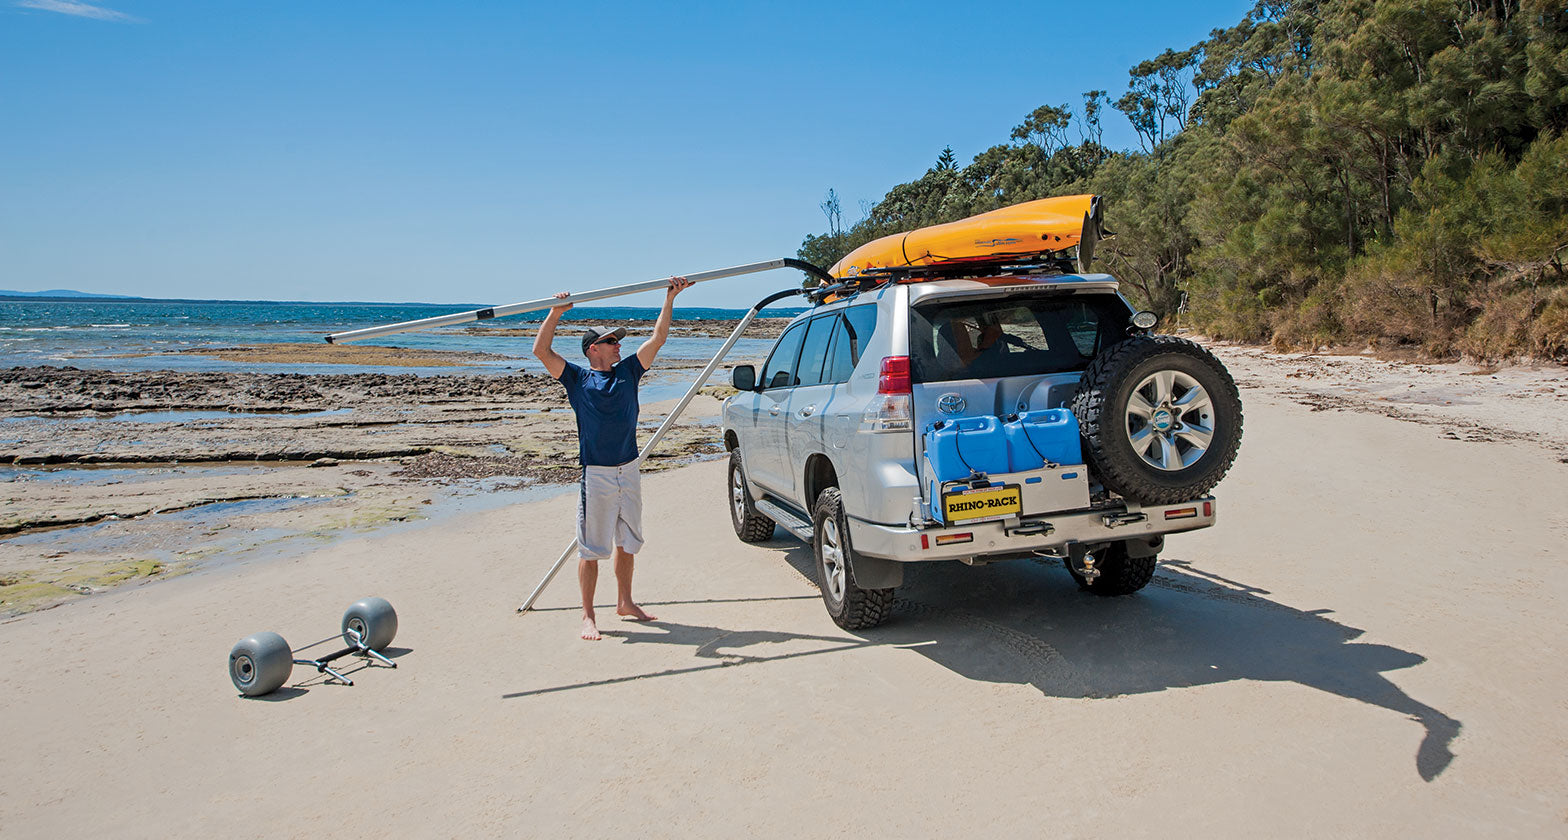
point(874, 278)
point(967, 268)
point(846, 287)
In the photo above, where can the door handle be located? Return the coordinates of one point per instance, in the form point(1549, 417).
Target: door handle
point(774, 410)
point(807, 411)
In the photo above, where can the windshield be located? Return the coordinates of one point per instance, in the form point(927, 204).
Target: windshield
point(990, 338)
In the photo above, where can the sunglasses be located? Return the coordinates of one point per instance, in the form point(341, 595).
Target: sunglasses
point(608, 341)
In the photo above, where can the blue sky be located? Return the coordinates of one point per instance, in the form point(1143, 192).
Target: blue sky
point(497, 151)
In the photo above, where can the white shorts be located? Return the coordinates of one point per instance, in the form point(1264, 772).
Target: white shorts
point(609, 511)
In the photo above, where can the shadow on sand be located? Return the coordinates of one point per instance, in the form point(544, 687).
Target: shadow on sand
point(1027, 622)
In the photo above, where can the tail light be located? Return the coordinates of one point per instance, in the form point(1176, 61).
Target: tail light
point(895, 376)
point(892, 410)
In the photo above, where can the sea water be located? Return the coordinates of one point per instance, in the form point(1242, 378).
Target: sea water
point(133, 335)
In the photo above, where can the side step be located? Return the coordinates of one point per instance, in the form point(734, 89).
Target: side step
point(789, 520)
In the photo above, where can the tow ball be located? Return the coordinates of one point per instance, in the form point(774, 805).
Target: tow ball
point(261, 663)
point(1082, 561)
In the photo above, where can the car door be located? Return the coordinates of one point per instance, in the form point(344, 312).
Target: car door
point(767, 463)
point(803, 414)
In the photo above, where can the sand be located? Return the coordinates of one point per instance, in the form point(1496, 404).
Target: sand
point(1368, 644)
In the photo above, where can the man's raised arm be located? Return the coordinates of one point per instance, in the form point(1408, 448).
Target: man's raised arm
point(661, 329)
point(542, 349)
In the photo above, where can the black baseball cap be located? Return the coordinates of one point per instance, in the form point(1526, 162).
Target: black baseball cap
point(594, 335)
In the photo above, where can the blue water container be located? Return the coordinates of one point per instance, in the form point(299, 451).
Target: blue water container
point(1035, 437)
point(958, 448)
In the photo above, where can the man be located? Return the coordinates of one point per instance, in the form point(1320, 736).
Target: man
point(609, 501)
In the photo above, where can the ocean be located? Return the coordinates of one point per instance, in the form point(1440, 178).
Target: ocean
point(129, 335)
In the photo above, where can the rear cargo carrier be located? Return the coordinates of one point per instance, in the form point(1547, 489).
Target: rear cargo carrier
point(982, 469)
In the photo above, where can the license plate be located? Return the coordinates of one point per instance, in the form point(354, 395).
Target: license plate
point(965, 505)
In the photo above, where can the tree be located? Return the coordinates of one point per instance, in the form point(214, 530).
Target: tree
point(1046, 128)
point(835, 216)
point(1381, 171)
point(1090, 132)
point(946, 162)
point(1158, 96)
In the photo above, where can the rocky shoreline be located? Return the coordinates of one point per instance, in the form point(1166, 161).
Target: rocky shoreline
point(57, 415)
point(113, 477)
point(70, 390)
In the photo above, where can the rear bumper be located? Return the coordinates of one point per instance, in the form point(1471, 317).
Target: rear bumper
point(1034, 533)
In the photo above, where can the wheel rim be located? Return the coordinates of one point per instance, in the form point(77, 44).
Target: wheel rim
point(244, 669)
point(357, 627)
point(832, 561)
point(1170, 420)
point(737, 497)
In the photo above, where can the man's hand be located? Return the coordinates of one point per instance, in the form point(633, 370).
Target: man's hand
point(661, 328)
point(553, 363)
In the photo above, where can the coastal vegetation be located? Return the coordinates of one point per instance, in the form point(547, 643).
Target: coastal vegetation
point(1384, 173)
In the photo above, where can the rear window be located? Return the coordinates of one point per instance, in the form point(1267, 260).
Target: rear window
point(1017, 336)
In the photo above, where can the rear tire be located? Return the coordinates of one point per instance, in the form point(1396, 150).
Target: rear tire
point(1119, 573)
point(850, 606)
point(750, 525)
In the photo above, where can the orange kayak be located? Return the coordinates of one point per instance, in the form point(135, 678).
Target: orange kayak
point(1033, 228)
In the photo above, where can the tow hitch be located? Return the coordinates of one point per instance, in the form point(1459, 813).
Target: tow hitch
point(1081, 560)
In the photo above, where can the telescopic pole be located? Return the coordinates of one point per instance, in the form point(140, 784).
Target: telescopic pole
point(669, 421)
point(578, 297)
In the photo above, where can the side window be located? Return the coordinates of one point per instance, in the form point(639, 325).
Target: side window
point(850, 337)
point(815, 351)
point(780, 368)
point(1083, 324)
point(840, 354)
point(861, 322)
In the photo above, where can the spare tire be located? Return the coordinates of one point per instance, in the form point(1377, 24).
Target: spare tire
point(1160, 419)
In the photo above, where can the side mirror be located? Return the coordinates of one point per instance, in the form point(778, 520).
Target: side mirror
point(744, 378)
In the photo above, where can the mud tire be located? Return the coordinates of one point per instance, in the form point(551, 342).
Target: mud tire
point(750, 526)
point(1101, 404)
point(852, 608)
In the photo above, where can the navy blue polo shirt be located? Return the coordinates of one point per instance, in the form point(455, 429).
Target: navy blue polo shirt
point(606, 406)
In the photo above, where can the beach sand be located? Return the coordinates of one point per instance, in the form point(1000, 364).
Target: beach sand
point(1367, 644)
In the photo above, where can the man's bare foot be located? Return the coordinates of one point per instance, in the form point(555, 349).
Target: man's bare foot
point(632, 612)
point(590, 630)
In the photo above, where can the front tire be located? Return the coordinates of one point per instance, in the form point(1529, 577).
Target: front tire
point(850, 606)
point(750, 525)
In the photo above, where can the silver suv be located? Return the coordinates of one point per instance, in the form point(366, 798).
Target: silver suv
point(978, 419)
